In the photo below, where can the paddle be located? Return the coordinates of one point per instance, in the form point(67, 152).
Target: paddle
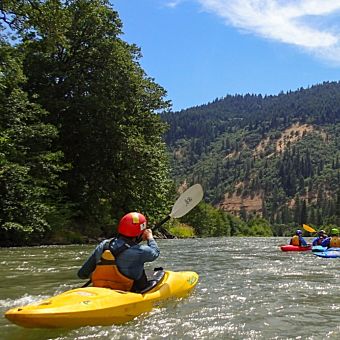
point(184, 203)
point(312, 230)
point(308, 228)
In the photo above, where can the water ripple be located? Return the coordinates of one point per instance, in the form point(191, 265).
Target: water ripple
point(248, 289)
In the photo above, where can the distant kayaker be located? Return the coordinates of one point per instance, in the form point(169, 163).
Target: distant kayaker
point(118, 263)
point(298, 240)
point(318, 240)
point(333, 241)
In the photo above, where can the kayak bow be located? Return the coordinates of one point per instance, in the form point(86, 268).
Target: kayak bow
point(326, 252)
point(289, 247)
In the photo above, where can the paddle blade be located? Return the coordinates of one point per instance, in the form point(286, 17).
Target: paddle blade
point(308, 228)
point(187, 201)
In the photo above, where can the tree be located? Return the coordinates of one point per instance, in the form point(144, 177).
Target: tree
point(208, 221)
point(29, 182)
point(104, 105)
point(259, 227)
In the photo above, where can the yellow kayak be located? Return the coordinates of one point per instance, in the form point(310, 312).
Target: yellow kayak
point(100, 306)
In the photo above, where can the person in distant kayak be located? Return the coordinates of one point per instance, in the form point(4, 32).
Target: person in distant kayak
point(298, 240)
point(118, 263)
point(333, 241)
point(318, 240)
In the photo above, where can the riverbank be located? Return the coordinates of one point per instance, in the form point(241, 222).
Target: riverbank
point(71, 237)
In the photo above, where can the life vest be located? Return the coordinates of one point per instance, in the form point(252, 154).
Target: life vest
point(334, 242)
point(107, 274)
point(295, 240)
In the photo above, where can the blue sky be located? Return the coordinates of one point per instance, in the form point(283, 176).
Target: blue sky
point(200, 50)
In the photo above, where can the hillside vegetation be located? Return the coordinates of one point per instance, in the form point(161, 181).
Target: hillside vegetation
point(276, 157)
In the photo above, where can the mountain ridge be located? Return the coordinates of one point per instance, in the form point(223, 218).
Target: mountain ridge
point(283, 150)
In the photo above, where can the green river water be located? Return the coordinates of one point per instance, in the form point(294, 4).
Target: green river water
point(248, 289)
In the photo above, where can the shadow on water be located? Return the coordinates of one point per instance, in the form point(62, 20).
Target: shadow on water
point(248, 289)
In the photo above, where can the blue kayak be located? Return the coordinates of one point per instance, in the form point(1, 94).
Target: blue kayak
point(326, 252)
point(318, 249)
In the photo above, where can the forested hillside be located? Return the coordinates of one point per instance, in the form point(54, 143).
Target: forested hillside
point(277, 157)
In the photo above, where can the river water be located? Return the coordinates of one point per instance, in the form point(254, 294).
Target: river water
point(248, 289)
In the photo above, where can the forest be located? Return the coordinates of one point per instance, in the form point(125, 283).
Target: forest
point(81, 143)
point(274, 157)
point(86, 136)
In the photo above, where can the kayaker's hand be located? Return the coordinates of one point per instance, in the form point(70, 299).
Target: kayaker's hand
point(147, 234)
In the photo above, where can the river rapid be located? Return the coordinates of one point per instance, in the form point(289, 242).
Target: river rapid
point(248, 289)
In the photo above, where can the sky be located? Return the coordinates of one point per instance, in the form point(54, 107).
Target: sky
point(200, 50)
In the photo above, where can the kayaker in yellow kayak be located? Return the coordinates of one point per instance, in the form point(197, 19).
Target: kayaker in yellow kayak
point(118, 263)
point(333, 241)
point(298, 240)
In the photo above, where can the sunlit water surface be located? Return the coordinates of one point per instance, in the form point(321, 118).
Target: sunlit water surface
point(248, 289)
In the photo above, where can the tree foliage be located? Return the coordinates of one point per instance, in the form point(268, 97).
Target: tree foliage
point(29, 183)
point(97, 100)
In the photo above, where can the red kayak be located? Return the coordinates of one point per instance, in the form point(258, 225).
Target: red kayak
point(289, 247)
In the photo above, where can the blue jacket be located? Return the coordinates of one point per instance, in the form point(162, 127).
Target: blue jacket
point(326, 242)
point(317, 241)
point(130, 262)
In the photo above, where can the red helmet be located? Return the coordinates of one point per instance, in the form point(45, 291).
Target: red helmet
point(132, 224)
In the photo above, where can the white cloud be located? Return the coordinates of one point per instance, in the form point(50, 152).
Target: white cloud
point(173, 3)
point(308, 24)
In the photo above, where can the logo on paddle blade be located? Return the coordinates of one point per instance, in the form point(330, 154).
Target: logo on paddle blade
point(188, 200)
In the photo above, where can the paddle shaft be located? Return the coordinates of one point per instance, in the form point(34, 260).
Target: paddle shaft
point(159, 224)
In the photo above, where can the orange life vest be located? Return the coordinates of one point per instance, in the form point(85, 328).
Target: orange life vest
point(334, 242)
point(295, 241)
point(107, 274)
